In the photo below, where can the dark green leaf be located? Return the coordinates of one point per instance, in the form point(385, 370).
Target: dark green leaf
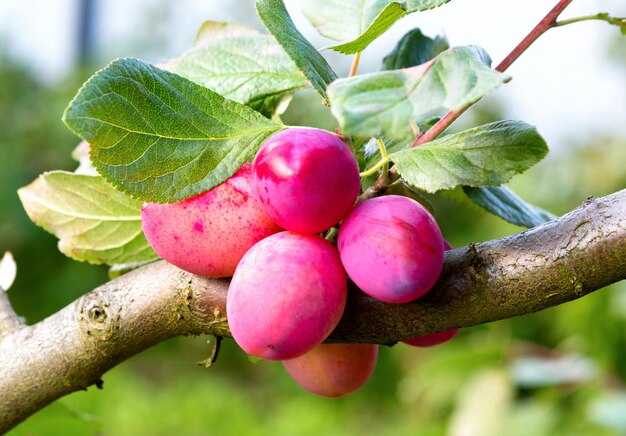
point(387, 102)
point(359, 22)
point(93, 221)
point(242, 65)
point(503, 202)
point(488, 155)
point(160, 137)
point(276, 19)
point(414, 49)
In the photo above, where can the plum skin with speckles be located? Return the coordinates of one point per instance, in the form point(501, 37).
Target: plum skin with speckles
point(287, 295)
point(433, 339)
point(392, 248)
point(334, 370)
point(306, 179)
point(208, 234)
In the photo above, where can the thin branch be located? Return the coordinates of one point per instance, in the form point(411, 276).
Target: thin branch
point(516, 275)
point(546, 23)
point(603, 16)
point(383, 182)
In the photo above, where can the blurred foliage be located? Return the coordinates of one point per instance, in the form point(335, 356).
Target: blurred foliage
point(33, 140)
point(558, 372)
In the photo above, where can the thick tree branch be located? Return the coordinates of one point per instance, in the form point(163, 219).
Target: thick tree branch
point(9, 321)
point(523, 273)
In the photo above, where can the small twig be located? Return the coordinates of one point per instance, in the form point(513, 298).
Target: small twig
point(546, 23)
point(603, 16)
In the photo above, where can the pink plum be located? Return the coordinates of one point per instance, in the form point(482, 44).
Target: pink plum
point(392, 248)
point(334, 370)
point(306, 179)
point(434, 339)
point(288, 293)
point(208, 234)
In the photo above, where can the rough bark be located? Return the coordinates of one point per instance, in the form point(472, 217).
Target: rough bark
point(560, 261)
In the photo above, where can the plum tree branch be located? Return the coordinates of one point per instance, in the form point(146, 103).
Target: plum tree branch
point(559, 261)
point(9, 321)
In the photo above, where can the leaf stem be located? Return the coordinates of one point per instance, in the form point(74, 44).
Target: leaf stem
point(355, 64)
point(603, 16)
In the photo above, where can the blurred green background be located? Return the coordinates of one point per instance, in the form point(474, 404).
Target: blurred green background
point(558, 372)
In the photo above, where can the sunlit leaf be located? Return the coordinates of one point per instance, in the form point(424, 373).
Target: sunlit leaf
point(240, 64)
point(388, 102)
point(488, 155)
point(160, 137)
point(93, 221)
point(359, 22)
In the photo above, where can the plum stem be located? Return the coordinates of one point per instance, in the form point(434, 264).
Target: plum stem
point(332, 233)
point(382, 163)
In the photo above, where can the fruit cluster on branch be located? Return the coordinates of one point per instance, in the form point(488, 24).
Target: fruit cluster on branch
point(264, 226)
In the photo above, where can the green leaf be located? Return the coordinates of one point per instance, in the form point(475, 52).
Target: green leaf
point(160, 137)
point(242, 65)
point(414, 49)
point(503, 202)
point(382, 22)
point(93, 221)
point(276, 19)
point(385, 103)
point(488, 155)
point(359, 22)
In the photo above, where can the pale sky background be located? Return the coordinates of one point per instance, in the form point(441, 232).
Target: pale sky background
point(565, 84)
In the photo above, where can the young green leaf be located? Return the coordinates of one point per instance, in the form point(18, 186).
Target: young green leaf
point(488, 155)
point(413, 49)
point(242, 65)
point(359, 22)
point(276, 19)
point(160, 137)
point(387, 102)
point(93, 221)
point(503, 202)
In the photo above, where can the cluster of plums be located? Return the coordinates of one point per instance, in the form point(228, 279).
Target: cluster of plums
point(288, 290)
